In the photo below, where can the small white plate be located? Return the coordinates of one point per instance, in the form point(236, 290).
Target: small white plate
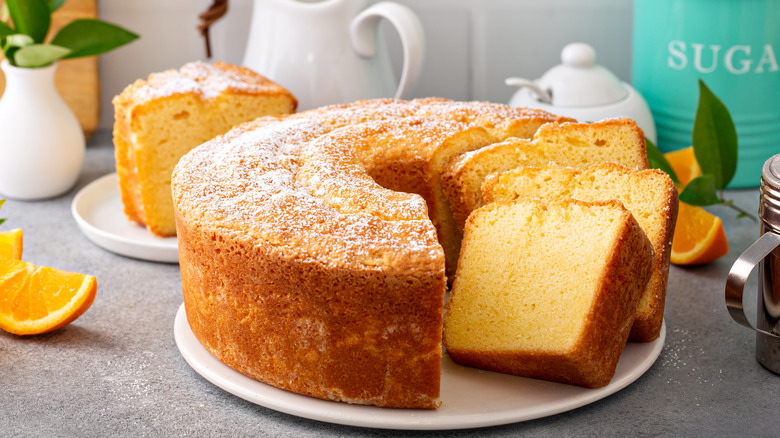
point(470, 397)
point(98, 211)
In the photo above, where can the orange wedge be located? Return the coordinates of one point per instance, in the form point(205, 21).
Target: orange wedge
point(11, 244)
point(684, 164)
point(698, 237)
point(38, 299)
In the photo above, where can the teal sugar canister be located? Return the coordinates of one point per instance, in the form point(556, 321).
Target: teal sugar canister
point(733, 46)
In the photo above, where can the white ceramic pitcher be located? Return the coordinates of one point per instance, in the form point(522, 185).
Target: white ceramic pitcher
point(325, 51)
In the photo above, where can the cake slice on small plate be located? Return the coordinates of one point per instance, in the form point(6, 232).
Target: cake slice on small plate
point(161, 118)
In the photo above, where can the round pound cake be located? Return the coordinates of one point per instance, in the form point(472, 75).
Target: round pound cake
point(312, 247)
point(282, 286)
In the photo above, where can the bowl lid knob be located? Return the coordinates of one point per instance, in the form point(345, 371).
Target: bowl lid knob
point(579, 81)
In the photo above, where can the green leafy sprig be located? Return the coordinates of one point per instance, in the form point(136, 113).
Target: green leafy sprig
point(26, 23)
point(2, 201)
point(714, 143)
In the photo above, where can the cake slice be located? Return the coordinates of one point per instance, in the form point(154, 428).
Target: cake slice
point(567, 144)
point(649, 194)
point(560, 304)
point(159, 119)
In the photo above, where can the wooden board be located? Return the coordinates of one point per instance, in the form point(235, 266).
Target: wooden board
point(76, 79)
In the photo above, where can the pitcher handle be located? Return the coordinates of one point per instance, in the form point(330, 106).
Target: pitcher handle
point(738, 276)
point(410, 30)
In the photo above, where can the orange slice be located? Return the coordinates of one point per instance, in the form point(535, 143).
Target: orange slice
point(684, 163)
point(38, 299)
point(698, 237)
point(11, 244)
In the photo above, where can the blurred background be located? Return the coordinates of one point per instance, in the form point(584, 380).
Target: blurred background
point(472, 45)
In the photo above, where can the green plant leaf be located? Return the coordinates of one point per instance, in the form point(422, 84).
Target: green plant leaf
point(12, 43)
point(714, 138)
point(18, 40)
point(39, 55)
point(9, 54)
point(30, 17)
point(2, 201)
point(6, 30)
point(700, 191)
point(89, 37)
point(55, 4)
point(657, 160)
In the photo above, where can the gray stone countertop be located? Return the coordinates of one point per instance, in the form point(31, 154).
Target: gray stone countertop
point(117, 371)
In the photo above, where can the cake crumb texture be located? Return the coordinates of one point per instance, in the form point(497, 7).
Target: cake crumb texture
point(650, 195)
point(547, 290)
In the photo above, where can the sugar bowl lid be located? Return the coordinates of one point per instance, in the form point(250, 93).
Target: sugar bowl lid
point(578, 81)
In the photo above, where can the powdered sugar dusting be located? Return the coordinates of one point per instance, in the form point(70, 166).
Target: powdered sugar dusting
point(248, 177)
point(296, 183)
point(205, 80)
point(485, 114)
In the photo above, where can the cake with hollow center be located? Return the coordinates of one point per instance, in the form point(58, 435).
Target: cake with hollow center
point(159, 119)
point(309, 245)
point(500, 121)
point(547, 290)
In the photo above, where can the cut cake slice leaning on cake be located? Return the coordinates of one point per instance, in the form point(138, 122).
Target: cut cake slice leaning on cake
point(561, 303)
point(650, 195)
point(159, 119)
point(576, 145)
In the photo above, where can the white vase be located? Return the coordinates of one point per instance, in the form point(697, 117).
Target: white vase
point(42, 144)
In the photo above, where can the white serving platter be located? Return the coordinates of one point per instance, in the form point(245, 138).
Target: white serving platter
point(470, 397)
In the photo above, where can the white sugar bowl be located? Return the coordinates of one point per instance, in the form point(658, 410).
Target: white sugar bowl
point(581, 89)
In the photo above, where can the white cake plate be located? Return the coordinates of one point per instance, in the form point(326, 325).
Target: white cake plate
point(470, 397)
point(98, 211)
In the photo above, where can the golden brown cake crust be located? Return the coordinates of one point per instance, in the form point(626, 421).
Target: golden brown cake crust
point(283, 286)
point(305, 327)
